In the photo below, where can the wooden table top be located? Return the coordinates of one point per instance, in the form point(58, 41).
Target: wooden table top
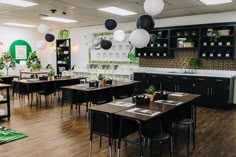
point(85, 87)
point(32, 81)
point(33, 72)
point(162, 108)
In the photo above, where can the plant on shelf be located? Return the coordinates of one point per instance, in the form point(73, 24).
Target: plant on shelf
point(153, 40)
point(6, 61)
point(64, 34)
point(194, 63)
point(189, 42)
point(150, 92)
point(33, 62)
point(178, 34)
point(214, 34)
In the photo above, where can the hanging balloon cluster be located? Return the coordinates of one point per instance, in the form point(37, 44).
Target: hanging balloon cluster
point(49, 37)
point(139, 38)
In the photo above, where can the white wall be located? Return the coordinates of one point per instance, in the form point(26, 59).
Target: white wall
point(80, 52)
point(30, 35)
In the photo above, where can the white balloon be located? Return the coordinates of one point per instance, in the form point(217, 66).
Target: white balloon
point(119, 35)
point(40, 44)
point(43, 28)
point(139, 38)
point(153, 7)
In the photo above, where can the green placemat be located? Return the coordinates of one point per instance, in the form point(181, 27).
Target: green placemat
point(8, 135)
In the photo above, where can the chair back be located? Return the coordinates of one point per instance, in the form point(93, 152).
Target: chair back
point(123, 92)
point(152, 127)
point(101, 96)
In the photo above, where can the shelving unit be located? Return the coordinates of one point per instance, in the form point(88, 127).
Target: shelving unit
point(194, 37)
point(5, 110)
point(63, 50)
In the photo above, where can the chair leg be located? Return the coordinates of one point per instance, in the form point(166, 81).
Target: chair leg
point(150, 147)
point(100, 143)
point(193, 134)
point(171, 147)
point(161, 149)
point(188, 139)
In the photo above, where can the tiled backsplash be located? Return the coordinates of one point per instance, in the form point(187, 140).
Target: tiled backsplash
point(181, 61)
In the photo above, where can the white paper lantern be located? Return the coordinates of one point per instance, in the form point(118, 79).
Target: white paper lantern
point(153, 7)
point(43, 28)
point(40, 45)
point(139, 38)
point(119, 35)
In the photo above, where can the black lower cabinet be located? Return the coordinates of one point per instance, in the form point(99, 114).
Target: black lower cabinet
point(214, 91)
point(142, 86)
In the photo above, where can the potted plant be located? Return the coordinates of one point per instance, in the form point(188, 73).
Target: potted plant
point(150, 92)
point(224, 32)
point(33, 62)
point(189, 42)
point(153, 40)
point(64, 34)
point(50, 75)
point(215, 36)
point(101, 80)
point(6, 61)
point(194, 63)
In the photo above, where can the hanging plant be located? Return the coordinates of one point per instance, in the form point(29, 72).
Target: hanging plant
point(64, 34)
point(6, 61)
point(33, 61)
point(131, 55)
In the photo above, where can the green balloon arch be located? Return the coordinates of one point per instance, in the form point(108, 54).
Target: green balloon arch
point(19, 43)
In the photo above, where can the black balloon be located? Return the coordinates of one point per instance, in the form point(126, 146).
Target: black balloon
point(110, 24)
point(145, 22)
point(49, 37)
point(106, 44)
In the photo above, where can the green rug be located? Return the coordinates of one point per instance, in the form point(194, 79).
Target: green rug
point(8, 135)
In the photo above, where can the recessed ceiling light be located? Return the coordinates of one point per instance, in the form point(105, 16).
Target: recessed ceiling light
point(117, 11)
point(57, 19)
point(19, 25)
point(212, 2)
point(20, 3)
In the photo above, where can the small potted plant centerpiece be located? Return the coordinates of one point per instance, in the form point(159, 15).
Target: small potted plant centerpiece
point(33, 62)
point(150, 92)
point(101, 80)
point(6, 61)
point(51, 75)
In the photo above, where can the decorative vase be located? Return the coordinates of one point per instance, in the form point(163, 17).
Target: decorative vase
point(50, 78)
point(36, 70)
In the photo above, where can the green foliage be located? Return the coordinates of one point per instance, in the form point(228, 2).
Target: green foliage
point(215, 35)
point(153, 39)
point(194, 63)
point(100, 77)
point(63, 34)
point(33, 61)
point(51, 73)
point(151, 90)
point(6, 61)
point(132, 57)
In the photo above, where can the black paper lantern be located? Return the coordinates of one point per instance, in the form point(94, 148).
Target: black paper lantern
point(49, 37)
point(110, 24)
point(145, 22)
point(106, 44)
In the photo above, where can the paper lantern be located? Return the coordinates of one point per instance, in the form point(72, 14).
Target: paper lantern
point(145, 22)
point(139, 38)
point(119, 35)
point(153, 7)
point(49, 37)
point(43, 28)
point(106, 44)
point(40, 45)
point(110, 24)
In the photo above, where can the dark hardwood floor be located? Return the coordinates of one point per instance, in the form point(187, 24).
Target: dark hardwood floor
point(51, 136)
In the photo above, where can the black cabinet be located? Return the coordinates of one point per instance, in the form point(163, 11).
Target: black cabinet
point(142, 86)
point(63, 51)
point(215, 91)
point(5, 102)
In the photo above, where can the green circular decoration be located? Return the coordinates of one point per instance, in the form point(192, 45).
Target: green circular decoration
point(13, 51)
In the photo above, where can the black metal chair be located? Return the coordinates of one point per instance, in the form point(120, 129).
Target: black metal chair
point(100, 97)
point(48, 88)
point(21, 90)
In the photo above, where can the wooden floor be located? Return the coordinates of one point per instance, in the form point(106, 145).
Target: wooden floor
point(51, 136)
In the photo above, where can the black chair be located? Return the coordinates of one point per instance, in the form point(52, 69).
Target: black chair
point(72, 97)
point(123, 92)
point(187, 120)
point(100, 97)
point(48, 88)
point(21, 90)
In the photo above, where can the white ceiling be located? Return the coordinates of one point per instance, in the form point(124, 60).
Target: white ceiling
point(85, 11)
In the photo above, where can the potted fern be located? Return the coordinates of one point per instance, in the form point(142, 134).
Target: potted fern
point(150, 91)
point(194, 63)
point(101, 80)
point(50, 75)
point(6, 61)
point(33, 62)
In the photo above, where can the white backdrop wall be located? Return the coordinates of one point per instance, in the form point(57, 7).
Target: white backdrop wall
point(30, 35)
point(78, 35)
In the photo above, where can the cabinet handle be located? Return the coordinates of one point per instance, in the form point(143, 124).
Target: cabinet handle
point(219, 80)
point(154, 76)
point(201, 79)
point(169, 77)
point(211, 91)
point(194, 85)
point(184, 78)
